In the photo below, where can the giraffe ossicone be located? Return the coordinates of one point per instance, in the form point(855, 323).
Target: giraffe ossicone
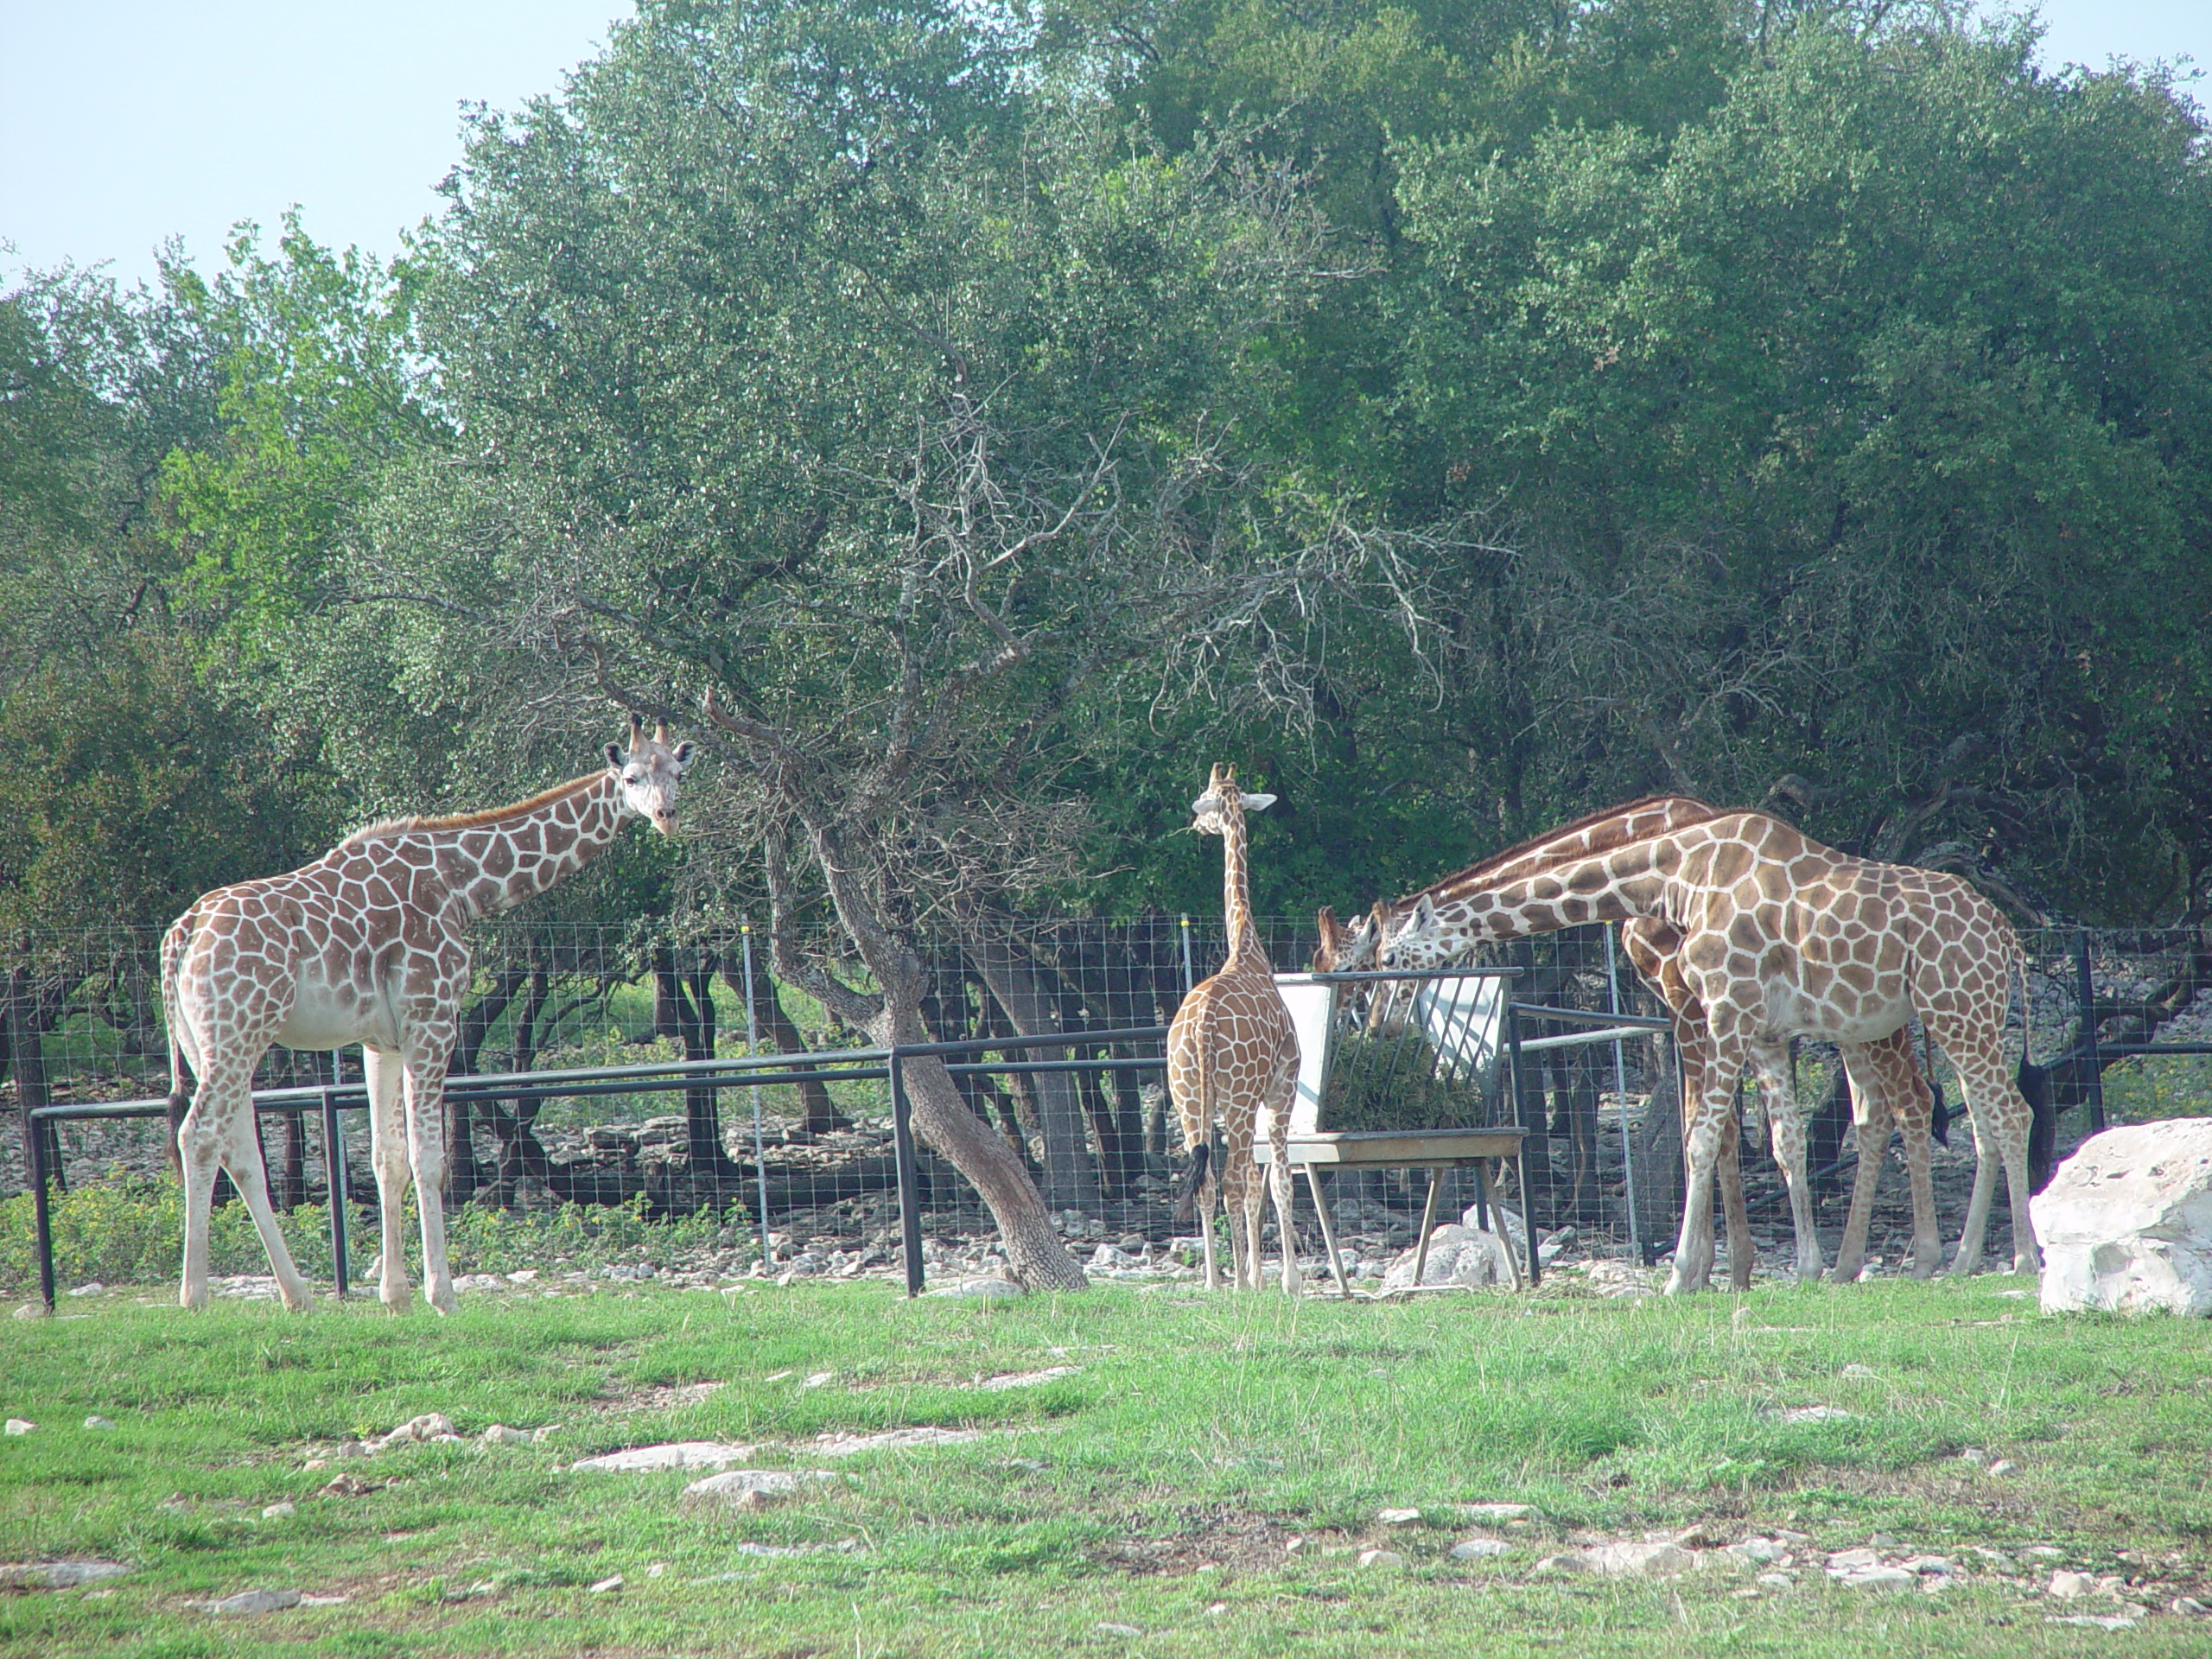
point(1779, 936)
point(369, 945)
point(1232, 1056)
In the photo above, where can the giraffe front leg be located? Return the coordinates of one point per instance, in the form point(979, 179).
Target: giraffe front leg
point(1728, 1174)
point(198, 1151)
point(1785, 1128)
point(1993, 1098)
point(426, 1152)
point(1693, 1268)
point(1976, 1230)
point(1280, 1187)
point(388, 1155)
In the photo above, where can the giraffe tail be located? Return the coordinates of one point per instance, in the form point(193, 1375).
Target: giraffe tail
point(2033, 1081)
point(175, 1101)
point(1186, 1194)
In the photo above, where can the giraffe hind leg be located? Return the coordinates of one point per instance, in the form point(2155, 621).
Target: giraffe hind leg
point(241, 1155)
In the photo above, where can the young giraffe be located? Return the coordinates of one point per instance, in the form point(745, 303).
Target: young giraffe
point(1887, 1086)
point(1232, 1053)
point(367, 944)
point(1780, 936)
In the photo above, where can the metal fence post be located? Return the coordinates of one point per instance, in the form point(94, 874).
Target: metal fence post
point(1519, 1164)
point(1620, 1091)
point(42, 1217)
point(334, 1176)
point(752, 1049)
point(2096, 1095)
point(1187, 980)
point(910, 1186)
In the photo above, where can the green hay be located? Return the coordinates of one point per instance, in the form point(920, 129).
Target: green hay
point(1385, 1083)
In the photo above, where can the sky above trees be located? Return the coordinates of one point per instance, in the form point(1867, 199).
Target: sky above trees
point(124, 125)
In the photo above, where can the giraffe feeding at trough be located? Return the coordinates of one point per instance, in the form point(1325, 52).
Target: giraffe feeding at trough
point(1886, 1086)
point(1777, 935)
point(368, 945)
point(1232, 1053)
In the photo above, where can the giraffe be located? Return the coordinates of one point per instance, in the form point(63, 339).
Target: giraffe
point(1779, 936)
point(367, 944)
point(1232, 1053)
point(1887, 1086)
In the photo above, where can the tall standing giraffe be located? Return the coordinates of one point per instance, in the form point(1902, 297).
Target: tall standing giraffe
point(1780, 937)
point(1886, 1085)
point(368, 945)
point(1232, 1053)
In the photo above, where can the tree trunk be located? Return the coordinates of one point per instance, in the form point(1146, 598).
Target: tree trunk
point(1071, 1181)
point(463, 1177)
point(1034, 1253)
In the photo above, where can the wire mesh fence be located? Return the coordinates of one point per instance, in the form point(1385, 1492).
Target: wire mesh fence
point(2123, 1019)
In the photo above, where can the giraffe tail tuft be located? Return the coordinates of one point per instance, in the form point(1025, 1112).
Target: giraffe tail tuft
point(1187, 1195)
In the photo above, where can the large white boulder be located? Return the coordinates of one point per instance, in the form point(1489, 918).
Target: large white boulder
point(2126, 1222)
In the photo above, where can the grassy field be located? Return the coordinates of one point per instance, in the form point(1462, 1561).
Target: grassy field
point(1144, 1504)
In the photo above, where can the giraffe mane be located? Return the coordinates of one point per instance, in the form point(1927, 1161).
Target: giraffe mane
point(474, 820)
point(1485, 868)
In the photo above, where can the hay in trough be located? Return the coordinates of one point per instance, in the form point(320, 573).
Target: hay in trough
point(1390, 1082)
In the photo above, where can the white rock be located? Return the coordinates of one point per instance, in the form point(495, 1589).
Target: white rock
point(1777, 1580)
point(1864, 1373)
point(682, 1454)
point(2068, 1586)
point(2125, 1224)
point(430, 1425)
point(1456, 1256)
point(838, 1445)
point(256, 1601)
point(98, 1422)
point(750, 1488)
point(1028, 1379)
point(480, 1281)
point(606, 1585)
point(93, 1289)
point(500, 1435)
point(523, 1276)
point(1757, 1551)
point(1398, 1517)
point(1658, 1560)
point(1491, 1511)
point(1997, 1560)
point(2095, 1621)
point(1477, 1549)
point(277, 1511)
point(1380, 1557)
point(1570, 1562)
point(1117, 1630)
point(19, 1425)
point(2004, 1466)
point(1503, 1220)
point(1817, 1414)
point(1848, 1561)
point(57, 1575)
point(2189, 1607)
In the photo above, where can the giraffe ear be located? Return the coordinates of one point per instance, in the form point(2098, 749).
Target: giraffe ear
point(681, 755)
point(1258, 802)
point(1424, 915)
point(614, 757)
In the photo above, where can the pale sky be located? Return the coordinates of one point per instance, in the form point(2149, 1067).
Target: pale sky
point(123, 122)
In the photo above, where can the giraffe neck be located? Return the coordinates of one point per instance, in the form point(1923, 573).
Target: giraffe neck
point(1236, 892)
point(1600, 833)
point(492, 862)
point(1609, 886)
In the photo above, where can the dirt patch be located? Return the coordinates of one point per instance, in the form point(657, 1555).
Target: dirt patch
point(1237, 1540)
point(660, 1396)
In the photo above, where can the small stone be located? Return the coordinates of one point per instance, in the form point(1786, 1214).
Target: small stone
point(523, 1276)
point(256, 1601)
point(314, 1463)
point(30, 1311)
point(1028, 1379)
point(1491, 1511)
point(1477, 1550)
point(1698, 1537)
point(500, 1435)
point(93, 1289)
point(1817, 1414)
point(2095, 1621)
point(1930, 1566)
point(1755, 1552)
point(2043, 1553)
point(1973, 1454)
point(656, 1569)
point(98, 1423)
point(752, 1489)
point(2004, 1466)
point(1398, 1517)
point(1997, 1560)
point(430, 1425)
point(1292, 1546)
point(57, 1575)
point(682, 1454)
point(2068, 1586)
point(1567, 1562)
point(1851, 1561)
point(607, 1587)
point(19, 1425)
point(1882, 1541)
point(819, 1379)
point(1117, 1630)
point(1863, 1372)
point(277, 1511)
point(1776, 1581)
point(345, 1486)
point(2187, 1606)
point(1380, 1557)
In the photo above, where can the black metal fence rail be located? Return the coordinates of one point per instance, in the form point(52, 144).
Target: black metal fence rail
point(746, 1072)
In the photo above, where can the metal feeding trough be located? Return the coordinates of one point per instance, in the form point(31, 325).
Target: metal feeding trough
point(1420, 1062)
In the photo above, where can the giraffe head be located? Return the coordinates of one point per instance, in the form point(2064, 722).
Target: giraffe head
point(1213, 811)
point(1417, 938)
point(1349, 950)
point(647, 772)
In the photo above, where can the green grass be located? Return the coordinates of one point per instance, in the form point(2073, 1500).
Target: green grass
point(1156, 1489)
